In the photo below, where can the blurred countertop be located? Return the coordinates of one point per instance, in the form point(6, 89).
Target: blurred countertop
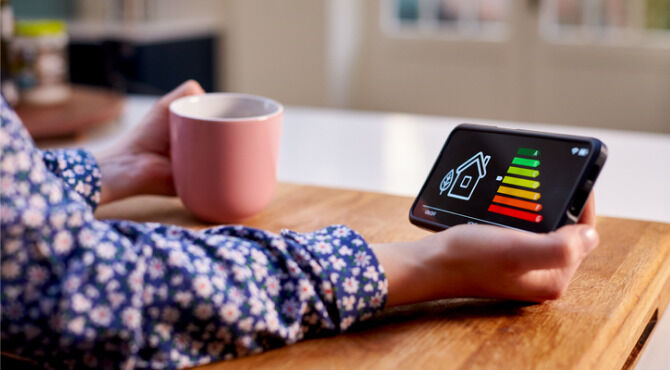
point(143, 32)
point(393, 153)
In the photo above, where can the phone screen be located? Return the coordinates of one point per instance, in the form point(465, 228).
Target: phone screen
point(504, 178)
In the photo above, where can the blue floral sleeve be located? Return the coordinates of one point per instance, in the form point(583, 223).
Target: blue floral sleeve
point(78, 170)
point(79, 292)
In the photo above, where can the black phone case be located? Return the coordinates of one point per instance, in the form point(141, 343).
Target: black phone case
point(579, 192)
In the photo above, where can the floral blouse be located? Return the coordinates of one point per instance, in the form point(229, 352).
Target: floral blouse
point(77, 291)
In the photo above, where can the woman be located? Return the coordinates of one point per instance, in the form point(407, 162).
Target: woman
point(83, 292)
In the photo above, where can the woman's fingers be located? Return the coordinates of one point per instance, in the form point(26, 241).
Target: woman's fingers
point(485, 261)
point(563, 248)
point(521, 251)
point(153, 135)
point(589, 212)
point(542, 285)
point(526, 266)
point(570, 246)
point(546, 272)
point(190, 87)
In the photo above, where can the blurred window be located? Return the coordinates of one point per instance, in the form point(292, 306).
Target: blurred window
point(461, 18)
point(608, 21)
point(616, 21)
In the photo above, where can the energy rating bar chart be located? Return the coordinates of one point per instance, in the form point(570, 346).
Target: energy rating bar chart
point(520, 177)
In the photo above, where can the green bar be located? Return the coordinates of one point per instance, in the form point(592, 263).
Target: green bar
point(529, 152)
point(526, 162)
point(522, 171)
point(521, 182)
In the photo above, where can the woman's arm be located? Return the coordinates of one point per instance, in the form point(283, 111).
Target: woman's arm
point(487, 261)
point(73, 286)
point(468, 260)
point(79, 291)
point(471, 260)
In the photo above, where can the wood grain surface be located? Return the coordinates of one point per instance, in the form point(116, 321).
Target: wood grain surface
point(598, 323)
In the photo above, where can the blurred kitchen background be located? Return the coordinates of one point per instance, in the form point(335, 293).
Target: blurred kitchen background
point(598, 63)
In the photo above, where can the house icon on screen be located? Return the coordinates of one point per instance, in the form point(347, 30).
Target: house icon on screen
point(468, 175)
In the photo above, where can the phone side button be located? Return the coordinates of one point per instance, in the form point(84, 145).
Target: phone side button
point(580, 198)
point(588, 186)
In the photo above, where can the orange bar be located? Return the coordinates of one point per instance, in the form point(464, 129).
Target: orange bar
point(502, 189)
point(535, 207)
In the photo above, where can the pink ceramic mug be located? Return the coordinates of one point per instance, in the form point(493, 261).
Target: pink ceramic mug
point(224, 150)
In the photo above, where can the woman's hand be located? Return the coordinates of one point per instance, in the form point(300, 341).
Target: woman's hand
point(140, 163)
point(487, 261)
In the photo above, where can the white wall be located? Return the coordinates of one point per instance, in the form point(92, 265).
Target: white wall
point(435, 75)
point(301, 52)
point(521, 78)
point(334, 53)
point(278, 49)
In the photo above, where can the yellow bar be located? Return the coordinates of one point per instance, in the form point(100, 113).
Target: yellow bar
point(521, 182)
point(519, 193)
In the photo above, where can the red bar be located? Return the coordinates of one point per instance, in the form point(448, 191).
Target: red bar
point(518, 203)
point(527, 216)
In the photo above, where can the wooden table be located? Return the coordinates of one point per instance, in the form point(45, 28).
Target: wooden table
point(602, 321)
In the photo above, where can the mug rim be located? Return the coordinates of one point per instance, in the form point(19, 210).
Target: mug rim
point(262, 117)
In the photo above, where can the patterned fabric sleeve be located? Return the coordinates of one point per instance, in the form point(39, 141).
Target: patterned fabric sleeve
point(80, 292)
point(78, 170)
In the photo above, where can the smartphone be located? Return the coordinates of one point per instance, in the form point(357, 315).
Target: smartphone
point(518, 179)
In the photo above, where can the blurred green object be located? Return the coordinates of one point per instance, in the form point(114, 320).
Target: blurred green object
point(42, 9)
point(39, 61)
point(408, 10)
point(658, 14)
point(37, 28)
